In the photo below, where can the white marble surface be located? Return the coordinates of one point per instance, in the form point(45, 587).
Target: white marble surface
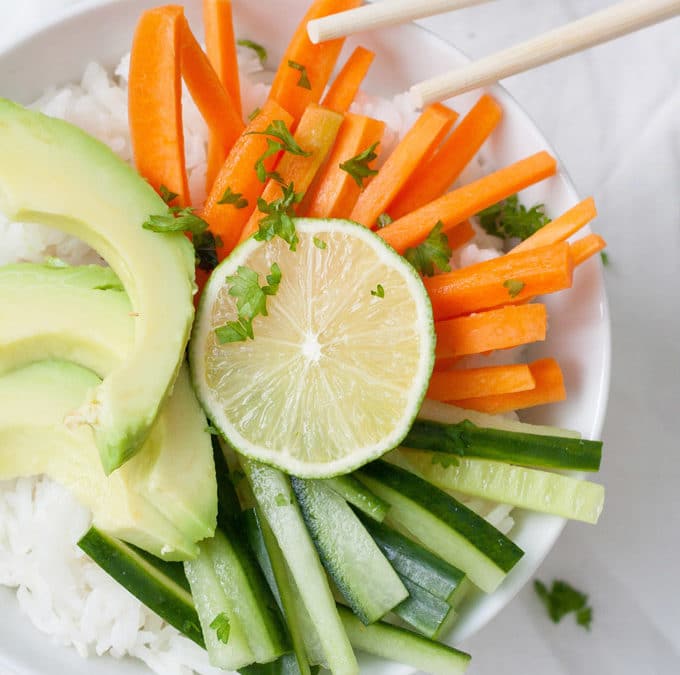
point(613, 115)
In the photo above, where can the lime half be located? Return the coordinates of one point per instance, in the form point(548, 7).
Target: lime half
point(336, 372)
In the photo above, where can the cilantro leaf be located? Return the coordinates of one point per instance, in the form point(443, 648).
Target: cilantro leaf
point(176, 220)
point(357, 166)
point(379, 291)
point(235, 331)
point(256, 47)
point(285, 142)
point(304, 79)
point(510, 219)
point(222, 627)
point(604, 257)
point(433, 252)
point(235, 198)
point(279, 218)
point(384, 219)
point(319, 243)
point(563, 599)
point(514, 287)
point(445, 459)
point(205, 248)
point(166, 195)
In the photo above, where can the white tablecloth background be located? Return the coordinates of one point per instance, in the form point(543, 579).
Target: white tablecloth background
point(613, 114)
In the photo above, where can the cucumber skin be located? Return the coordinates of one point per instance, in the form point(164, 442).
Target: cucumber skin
point(423, 611)
point(359, 496)
point(164, 597)
point(286, 665)
point(494, 545)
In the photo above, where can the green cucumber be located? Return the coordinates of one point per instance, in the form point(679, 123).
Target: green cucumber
point(356, 564)
point(424, 612)
point(443, 524)
point(396, 644)
point(531, 489)
point(415, 563)
point(274, 495)
point(152, 583)
point(469, 440)
point(286, 665)
point(357, 494)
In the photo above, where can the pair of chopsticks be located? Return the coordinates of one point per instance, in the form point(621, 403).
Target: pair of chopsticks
point(607, 24)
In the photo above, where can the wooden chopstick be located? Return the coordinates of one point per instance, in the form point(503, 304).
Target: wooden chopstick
point(379, 15)
point(620, 19)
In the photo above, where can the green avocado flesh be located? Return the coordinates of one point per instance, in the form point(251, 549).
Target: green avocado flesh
point(80, 314)
point(53, 173)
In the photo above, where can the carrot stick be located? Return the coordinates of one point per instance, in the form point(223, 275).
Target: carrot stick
point(334, 191)
point(460, 234)
point(419, 142)
point(549, 389)
point(477, 382)
point(587, 246)
point(502, 328)
point(466, 201)
point(347, 82)
point(318, 61)
point(238, 174)
point(561, 228)
point(155, 101)
point(506, 280)
point(315, 134)
point(220, 46)
point(433, 178)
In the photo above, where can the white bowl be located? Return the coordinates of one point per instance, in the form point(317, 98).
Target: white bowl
point(579, 322)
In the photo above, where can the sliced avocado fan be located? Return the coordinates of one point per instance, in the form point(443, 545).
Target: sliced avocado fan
point(51, 172)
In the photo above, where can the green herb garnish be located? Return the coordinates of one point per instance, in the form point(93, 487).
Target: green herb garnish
point(176, 220)
point(304, 79)
point(433, 252)
point(379, 291)
point(221, 626)
point(357, 166)
point(257, 48)
point(319, 243)
point(510, 219)
point(284, 142)
point(604, 257)
point(235, 198)
point(562, 599)
point(514, 287)
point(279, 218)
point(384, 219)
point(166, 195)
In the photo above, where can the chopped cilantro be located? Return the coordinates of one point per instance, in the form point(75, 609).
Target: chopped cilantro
point(222, 627)
point(319, 243)
point(510, 219)
point(176, 220)
point(256, 47)
point(514, 287)
point(459, 437)
point(285, 142)
point(604, 257)
point(562, 599)
point(235, 198)
point(384, 219)
point(379, 291)
point(280, 500)
point(357, 166)
point(433, 252)
point(254, 114)
point(166, 195)
point(279, 218)
point(205, 249)
point(445, 459)
point(251, 300)
point(304, 79)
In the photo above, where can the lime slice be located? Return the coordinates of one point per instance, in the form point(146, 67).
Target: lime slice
point(335, 374)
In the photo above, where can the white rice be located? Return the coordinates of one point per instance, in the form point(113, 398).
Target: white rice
point(63, 593)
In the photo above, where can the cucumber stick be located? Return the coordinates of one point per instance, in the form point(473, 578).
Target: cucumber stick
point(286, 665)
point(526, 488)
point(153, 583)
point(274, 495)
point(467, 439)
point(443, 524)
point(423, 611)
point(389, 642)
point(356, 564)
point(358, 495)
point(415, 563)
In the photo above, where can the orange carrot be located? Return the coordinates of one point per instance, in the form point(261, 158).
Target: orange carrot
point(334, 191)
point(317, 60)
point(419, 142)
point(466, 201)
point(315, 134)
point(502, 328)
point(220, 46)
point(460, 234)
point(476, 382)
point(561, 228)
point(549, 389)
point(587, 246)
point(216, 106)
point(238, 174)
point(347, 82)
point(501, 281)
point(433, 178)
point(155, 101)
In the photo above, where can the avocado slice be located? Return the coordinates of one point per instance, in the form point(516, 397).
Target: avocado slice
point(86, 308)
point(53, 173)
